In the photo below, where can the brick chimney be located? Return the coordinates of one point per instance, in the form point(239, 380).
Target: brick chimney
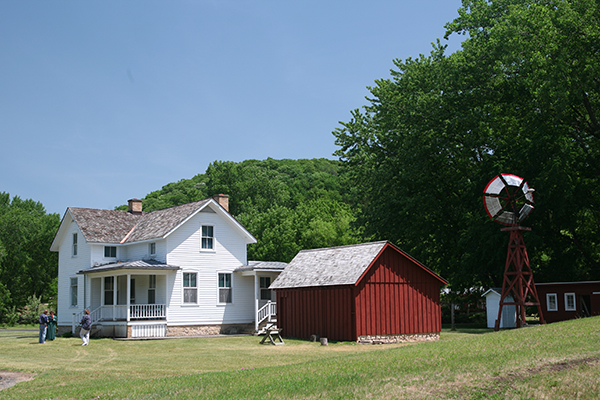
point(135, 206)
point(223, 200)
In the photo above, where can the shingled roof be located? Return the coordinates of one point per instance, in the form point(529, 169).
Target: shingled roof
point(109, 226)
point(104, 226)
point(342, 265)
point(158, 223)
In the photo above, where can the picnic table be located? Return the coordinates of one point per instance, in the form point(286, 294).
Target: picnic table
point(273, 334)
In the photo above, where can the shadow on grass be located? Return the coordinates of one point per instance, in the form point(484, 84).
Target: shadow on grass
point(475, 329)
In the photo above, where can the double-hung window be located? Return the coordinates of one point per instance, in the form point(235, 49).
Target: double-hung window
point(551, 302)
point(208, 237)
point(73, 292)
point(151, 289)
point(110, 251)
point(152, 249)
point(109, 287)
point(225, 295)
point(74, 244)
point(570, 302)
point(265, 292)
point(190, 288)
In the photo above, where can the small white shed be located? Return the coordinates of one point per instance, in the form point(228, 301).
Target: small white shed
point(492, 304)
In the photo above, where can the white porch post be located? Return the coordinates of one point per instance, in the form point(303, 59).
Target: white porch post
point(128, 296)
point(85, 283)
point(114, 304)
point(102, 297)
point(166, 296)
point(255, 302)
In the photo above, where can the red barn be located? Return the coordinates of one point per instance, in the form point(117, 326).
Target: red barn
point(371, 292)
point(561, 301)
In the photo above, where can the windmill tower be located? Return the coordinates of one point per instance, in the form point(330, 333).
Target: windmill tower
point(509, 200)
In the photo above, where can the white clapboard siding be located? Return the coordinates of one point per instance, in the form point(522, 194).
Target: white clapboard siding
point(70, 265)
point(183, 247)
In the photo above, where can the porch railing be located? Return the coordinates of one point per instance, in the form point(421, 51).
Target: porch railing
point(267, 311)
point(119, 313)
point(147, 311)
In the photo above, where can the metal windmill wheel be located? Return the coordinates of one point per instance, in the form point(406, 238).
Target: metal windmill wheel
point(508, 199)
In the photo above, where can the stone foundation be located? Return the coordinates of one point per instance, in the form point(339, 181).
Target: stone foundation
point(209, 330)
point(400, 338)
point(62, 329)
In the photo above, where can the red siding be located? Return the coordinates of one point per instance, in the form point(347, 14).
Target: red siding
point(396, 296)
point(323, 311)
point(587, 291)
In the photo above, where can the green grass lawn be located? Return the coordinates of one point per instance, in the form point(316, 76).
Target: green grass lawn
point(560, 361)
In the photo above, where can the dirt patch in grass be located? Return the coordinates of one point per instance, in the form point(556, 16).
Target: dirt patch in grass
point(509, 379)
point(11, 378)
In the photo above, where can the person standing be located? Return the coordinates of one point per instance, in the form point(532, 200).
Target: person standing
point(51, 335)
point(43, 320)
point(86, 326)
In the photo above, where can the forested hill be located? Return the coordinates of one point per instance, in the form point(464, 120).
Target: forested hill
point(288, 205)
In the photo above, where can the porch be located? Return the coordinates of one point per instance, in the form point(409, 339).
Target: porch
point(262, 274)
point(127, 299)
point(136, 320)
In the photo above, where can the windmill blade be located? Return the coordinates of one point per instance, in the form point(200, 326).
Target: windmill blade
point(525, 210)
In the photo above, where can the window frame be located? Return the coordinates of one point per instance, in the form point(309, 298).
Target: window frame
point(570, 295)
point(110, 279)
point(152, 289)
point(224, 287)
point(74, 245)
point(263, 289)
point(152, 248)
point(108, 249)
point(207, 238)
point(548, 296)
point(189, 288)
point(73, 291)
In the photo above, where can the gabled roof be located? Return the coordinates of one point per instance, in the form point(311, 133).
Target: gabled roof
point(343, 265)
point(158, 224)
point(494, 290)
point(104, 226)
point(121, 227)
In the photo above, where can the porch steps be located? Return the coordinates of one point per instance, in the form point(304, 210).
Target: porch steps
point(264, 326)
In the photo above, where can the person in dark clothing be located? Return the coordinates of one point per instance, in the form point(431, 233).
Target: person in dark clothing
point(43, 320)
point(86, 326)
point(51, 333)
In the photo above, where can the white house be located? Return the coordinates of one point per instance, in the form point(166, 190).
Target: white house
point(508, 319)
point(173, 272)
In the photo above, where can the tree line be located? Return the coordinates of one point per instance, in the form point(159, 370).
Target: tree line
point(288, 205)
point(522, 96)
point(28, 270)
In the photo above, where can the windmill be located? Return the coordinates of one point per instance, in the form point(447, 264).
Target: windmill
point(508, 199)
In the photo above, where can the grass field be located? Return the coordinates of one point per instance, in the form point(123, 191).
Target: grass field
point(556, 361)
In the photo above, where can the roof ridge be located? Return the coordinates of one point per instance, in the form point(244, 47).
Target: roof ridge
point(180, 205)
point(345, 246)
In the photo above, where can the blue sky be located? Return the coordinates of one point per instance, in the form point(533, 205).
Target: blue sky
point(103, 101)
